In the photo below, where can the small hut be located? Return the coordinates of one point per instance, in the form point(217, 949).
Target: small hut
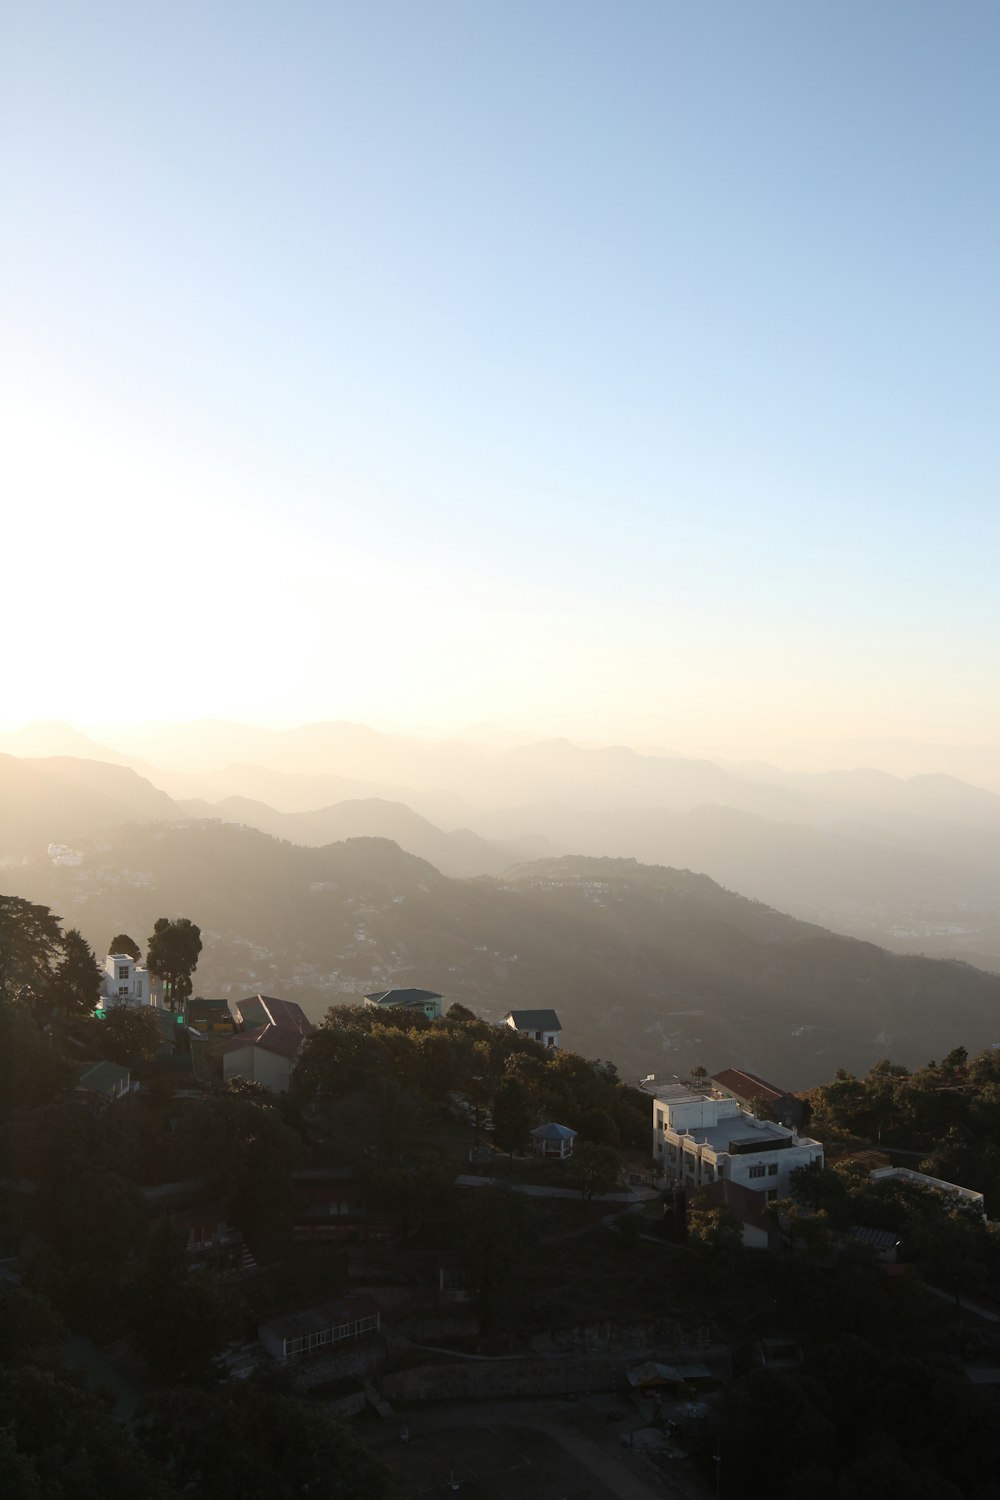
point(553, 1140)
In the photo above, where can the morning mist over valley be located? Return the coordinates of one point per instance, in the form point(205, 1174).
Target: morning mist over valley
point(500, 750)
point(565, 871)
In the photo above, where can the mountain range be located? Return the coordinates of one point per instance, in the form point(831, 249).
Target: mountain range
point(911, 864)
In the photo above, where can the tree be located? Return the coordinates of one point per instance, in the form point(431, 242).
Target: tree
point(512, 1116)
point(496, 1230)
point(128, 1036)
point(240, 1142)
point(122, 943)
point(407, 1182)
point(822, 1189)
point(27, 1324)
point(716, 1239)
point(59, 1441)
point(30, 1072)
point(30, 947)
point(598, 1125)
point(78, 980)
point(173, 957)
point(250, 1440)
point(596, 1168)
point(180, 1320)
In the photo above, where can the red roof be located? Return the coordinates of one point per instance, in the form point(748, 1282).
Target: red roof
point(747, 1085)
point(263, 1010)
point(281, 1040)
point(279, 1026)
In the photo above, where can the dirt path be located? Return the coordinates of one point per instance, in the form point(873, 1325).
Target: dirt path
point(621, 1472)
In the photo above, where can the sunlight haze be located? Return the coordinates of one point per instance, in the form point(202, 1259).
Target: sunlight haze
point(623, 375)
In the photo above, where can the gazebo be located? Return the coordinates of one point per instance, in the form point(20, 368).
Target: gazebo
point(553, 1140)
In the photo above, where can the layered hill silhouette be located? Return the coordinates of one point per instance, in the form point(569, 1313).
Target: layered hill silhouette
point(655, 968)
point(61, 799)
point(460, 852)
point(909, 864)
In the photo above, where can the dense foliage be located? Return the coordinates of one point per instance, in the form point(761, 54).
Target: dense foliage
point(945, 1115)
point(390, 1059)
point(174, 947)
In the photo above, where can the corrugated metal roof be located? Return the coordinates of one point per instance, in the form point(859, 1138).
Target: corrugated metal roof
point(881, 1239)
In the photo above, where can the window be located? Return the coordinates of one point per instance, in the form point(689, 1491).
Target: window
point(772, 1170)
point(138, 986)
point(123, 989)
point(659, 1119)
point(123, 971)
point(757, 1172)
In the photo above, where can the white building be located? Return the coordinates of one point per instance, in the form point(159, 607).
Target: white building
point(969, 1196)
point(541, 1025)
point(700, 1139)
point(127, 982)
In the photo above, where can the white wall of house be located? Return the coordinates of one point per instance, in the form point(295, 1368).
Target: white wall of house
point(129, 983)
point(754, 1238)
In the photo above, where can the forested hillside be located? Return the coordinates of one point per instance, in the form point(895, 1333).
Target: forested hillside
point(658, 969)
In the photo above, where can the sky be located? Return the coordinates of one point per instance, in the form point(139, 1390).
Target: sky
point(619, 371)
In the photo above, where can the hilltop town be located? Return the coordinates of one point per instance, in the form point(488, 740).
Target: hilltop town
point(206, 1199)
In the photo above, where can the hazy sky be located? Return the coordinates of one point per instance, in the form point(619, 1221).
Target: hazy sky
point(623, 370)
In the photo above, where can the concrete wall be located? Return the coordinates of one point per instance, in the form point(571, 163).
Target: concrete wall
point(363, 1358)
point(570, 1375)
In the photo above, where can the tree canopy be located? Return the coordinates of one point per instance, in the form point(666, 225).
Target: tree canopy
point(122, 943)
point(174, 946)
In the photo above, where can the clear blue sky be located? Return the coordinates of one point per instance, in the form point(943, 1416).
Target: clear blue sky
point(622, 369)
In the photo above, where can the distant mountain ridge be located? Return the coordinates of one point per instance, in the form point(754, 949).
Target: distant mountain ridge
point(60, 799)
point(459, 852)
point(909, 864)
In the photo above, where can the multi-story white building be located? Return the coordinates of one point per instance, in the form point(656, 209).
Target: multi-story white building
point(699, 1139)
point(128, 983)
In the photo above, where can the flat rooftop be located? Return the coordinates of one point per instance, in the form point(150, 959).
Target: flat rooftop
point(673, 1093)
point(733, 1135)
